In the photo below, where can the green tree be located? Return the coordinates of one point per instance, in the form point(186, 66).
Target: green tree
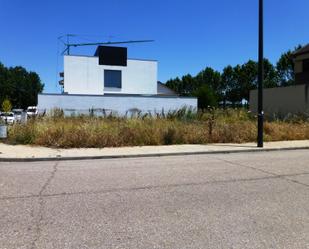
point(230, 83)
point(271, 78)
point(246, 77)
point(285, 68)
point(212, 79)
point(175, 84)
point(188, 85)
point(235, 83)
point(20, 86)
point(4, 86)
point(206, 97)
point(6, 105)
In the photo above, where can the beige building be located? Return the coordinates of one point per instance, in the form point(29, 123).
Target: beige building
point(281, 101)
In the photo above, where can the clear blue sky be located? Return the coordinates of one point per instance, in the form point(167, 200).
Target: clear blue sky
point(189, 35)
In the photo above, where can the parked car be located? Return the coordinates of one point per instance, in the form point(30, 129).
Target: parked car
point(8, 117)
point(32, 111)
point(18, 113)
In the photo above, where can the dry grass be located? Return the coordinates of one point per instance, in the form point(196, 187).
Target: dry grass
point(182, 127)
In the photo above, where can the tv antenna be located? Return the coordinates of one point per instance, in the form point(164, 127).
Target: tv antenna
point(68, 45)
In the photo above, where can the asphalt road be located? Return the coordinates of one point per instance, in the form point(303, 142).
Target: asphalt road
point(249, 200)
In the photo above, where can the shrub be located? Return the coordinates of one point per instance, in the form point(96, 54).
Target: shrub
point(169, 136)
point(206, 97)
point(6, 105)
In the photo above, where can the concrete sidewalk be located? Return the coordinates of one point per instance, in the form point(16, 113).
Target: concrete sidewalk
point(34, 153)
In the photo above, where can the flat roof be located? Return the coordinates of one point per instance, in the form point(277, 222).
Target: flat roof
point(120, 95)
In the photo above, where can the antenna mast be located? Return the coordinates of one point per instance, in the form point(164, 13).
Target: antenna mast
point(68, 45)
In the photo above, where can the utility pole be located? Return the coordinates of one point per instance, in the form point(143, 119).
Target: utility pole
point(261, 76)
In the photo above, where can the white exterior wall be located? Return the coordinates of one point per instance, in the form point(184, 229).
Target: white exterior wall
point(84, 75)
point(113, 103)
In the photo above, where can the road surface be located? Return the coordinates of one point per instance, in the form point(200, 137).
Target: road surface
point(245, 200)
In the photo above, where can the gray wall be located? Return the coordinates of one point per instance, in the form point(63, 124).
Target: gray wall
point(120, 104)
point(283, 100)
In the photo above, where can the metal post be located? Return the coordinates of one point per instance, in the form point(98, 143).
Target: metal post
point(68, 42)
point(260, 76)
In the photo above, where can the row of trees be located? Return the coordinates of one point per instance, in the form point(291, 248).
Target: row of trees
point(19, 86)
point(233, 84)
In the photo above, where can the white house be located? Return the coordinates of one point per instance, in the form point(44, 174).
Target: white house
point(110, 81)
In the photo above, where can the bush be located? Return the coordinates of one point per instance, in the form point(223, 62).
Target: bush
point(6, 105)
point(206, 97)
point(169, 136)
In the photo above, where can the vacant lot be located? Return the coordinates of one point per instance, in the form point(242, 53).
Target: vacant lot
point(181, 127)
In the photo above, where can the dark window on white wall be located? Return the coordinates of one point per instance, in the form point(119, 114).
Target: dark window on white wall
point(306, 65)
point(112, 78)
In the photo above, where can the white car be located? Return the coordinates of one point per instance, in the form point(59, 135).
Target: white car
point(32, 111)
point(18, 113)
point(8, 117)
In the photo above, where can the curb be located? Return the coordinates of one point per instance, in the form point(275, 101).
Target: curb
point(43, 159)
